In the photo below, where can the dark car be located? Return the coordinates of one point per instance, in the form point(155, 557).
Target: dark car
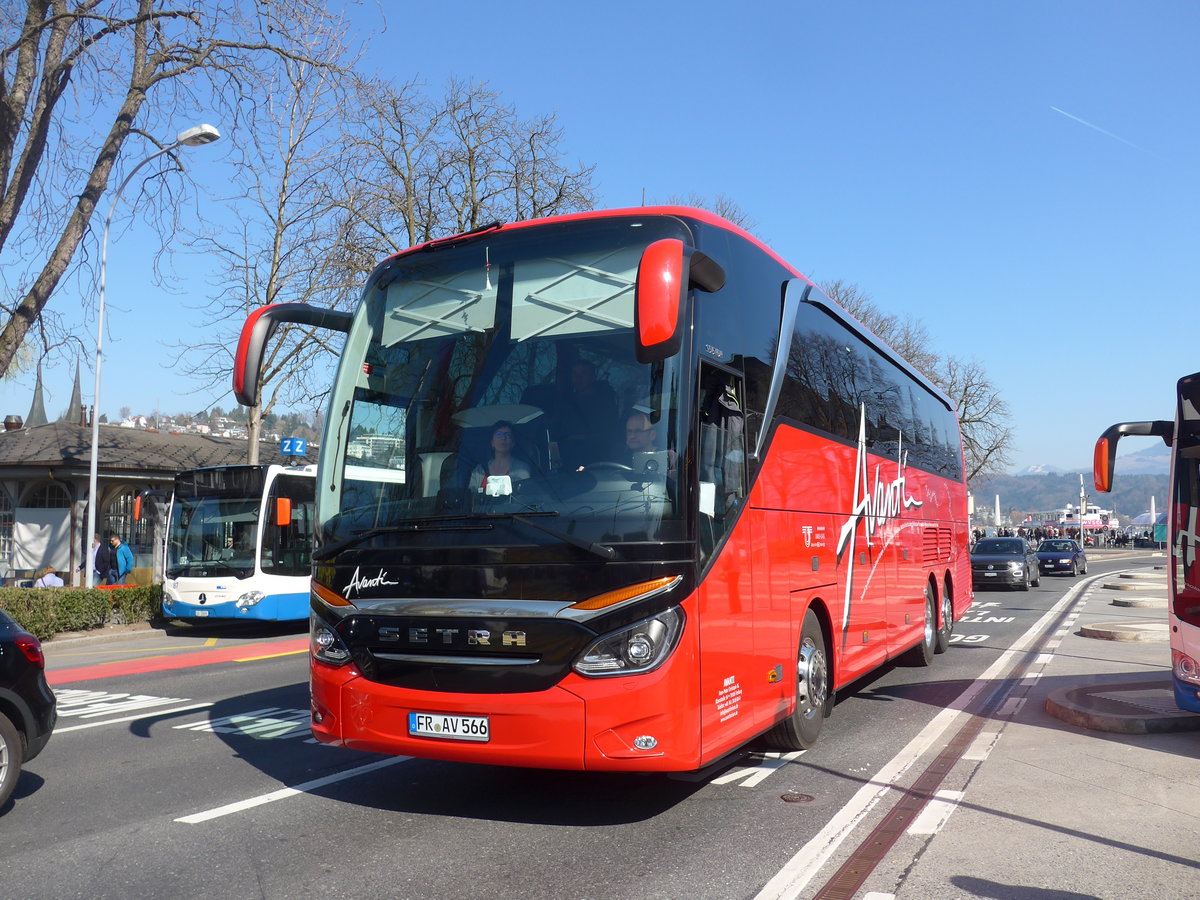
point(1062, 556)
point(27, 705)
point(1008, 561)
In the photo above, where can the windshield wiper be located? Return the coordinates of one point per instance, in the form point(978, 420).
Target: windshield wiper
point(604, 551)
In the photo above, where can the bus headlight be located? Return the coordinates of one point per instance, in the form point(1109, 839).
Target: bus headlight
point(250, 598)
point(325, 645)
point(633, 650)
point(1185, 667)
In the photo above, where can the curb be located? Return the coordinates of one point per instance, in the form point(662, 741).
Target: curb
point(1131, 707)
point(1155, 632)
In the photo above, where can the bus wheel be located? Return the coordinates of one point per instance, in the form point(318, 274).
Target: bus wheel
point(813, 699)
point(922, 654)
point(942, 641)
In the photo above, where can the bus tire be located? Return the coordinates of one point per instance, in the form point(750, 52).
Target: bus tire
point(922, 654)
point(814, 701)
point(946, 631)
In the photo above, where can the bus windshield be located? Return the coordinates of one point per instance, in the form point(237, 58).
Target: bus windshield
point(491, 383)
point(212, 536)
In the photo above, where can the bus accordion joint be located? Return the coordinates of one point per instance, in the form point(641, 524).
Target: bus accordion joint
point(328, 597)
point(638, 591)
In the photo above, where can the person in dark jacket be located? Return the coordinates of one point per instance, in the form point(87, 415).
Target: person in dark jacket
point(120, 560)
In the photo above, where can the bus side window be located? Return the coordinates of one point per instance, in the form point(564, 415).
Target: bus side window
point(722, 460)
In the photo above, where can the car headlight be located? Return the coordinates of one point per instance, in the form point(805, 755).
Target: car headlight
point(639, 648)
point(325, 645)
point(1065, 561)
point(250, 598)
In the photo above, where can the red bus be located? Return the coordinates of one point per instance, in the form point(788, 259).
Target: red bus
point(1183, 613)
point(616, 491)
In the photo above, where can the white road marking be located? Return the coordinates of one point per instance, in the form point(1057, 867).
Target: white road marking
point(808, 860)
point(90, 704)
point(982, 746)
point(146, 715)
point(935, 813)
point(1011, 707)
point(282, 794)
point(270, 722)
point(754, 775)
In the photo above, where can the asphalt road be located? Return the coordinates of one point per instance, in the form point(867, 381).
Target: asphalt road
point(202, 781)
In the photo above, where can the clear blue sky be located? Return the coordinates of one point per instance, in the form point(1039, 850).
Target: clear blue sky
point(1021, 176)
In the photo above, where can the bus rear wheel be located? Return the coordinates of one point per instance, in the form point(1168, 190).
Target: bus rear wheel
point(922, 654)
point(946, 631)
point(814, 701)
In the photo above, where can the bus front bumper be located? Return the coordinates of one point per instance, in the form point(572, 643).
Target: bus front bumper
point(271, 608)
point(551, 729)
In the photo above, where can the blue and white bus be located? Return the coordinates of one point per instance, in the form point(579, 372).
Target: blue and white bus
point(239, 543)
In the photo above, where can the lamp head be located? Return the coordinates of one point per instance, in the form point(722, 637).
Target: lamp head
point(197, 135)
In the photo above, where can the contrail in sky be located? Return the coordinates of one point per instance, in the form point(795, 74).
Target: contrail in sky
point(1115, 137)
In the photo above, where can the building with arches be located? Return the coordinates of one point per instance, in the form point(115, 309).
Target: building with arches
point(44, 477)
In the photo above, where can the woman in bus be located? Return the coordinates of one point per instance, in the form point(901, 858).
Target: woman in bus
point(504, 460)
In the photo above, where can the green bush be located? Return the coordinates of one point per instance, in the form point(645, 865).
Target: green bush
point(46, 612)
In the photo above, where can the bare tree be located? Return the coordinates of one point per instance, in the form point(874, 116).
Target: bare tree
point(334, 194)
point(983, 414)
point(431, 167)
point(723, 205)
point(286, 209)
point(78, 78)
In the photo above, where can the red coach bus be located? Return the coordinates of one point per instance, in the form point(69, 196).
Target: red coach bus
point(616, 491)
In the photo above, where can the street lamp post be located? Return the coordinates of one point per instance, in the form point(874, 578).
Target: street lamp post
point(195, 136)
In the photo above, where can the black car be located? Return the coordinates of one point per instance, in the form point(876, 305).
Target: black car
point(1061, 555)
point(27, 705)
point(1009, 561)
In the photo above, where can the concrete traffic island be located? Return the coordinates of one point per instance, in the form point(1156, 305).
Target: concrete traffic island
point(1133, 700)
point(1144, 706)
point(1127, 631)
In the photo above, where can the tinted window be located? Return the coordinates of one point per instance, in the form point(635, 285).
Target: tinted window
point(835, 377)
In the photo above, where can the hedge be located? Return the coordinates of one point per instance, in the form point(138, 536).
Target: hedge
point(46, 612)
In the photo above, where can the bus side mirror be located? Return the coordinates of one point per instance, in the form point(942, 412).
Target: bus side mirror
point(283, 511)
point(666, 270)
point(1104, 458)
point(257, 330)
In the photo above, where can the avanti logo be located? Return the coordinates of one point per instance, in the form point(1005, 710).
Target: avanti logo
point(357, 583)
point(872, 508)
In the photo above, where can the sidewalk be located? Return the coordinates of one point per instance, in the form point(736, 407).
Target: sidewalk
point(1091, 785)
point(1143, 702)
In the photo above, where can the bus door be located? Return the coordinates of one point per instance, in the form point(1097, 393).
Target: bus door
point(733, 674)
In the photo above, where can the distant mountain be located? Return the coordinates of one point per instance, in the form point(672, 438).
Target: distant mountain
point(1145, 458)
point(1148, 459)
point(1021, 494)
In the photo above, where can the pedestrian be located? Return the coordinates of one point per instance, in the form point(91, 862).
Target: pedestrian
point(120, 560)
point(48, 578)
point(97, 558)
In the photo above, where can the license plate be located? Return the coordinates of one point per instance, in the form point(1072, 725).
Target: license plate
point(990, 574)
point(452, 728)
point(202, 612)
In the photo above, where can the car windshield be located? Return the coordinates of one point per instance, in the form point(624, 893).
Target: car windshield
point(1058, 546)
point(999, 547)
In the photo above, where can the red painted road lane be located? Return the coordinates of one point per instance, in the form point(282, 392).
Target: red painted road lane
point(182, 661)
